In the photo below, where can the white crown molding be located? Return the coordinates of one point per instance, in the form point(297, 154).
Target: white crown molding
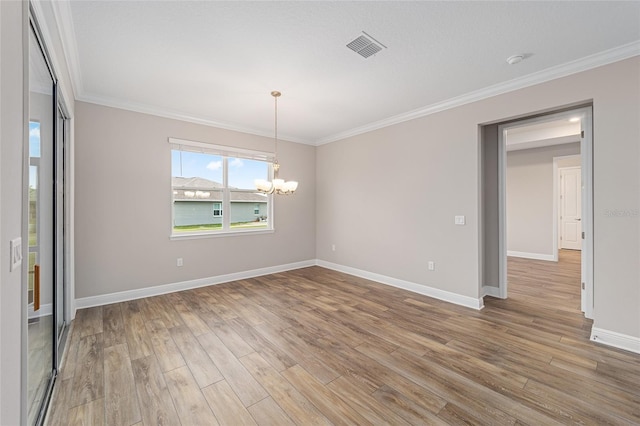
point(62, 13)
point(436, 293)
point(617, 340)
point(588, 62)
point(64, 22)
point(67, 34)
point(45, 31)
point(162, 112)
point(123, 296)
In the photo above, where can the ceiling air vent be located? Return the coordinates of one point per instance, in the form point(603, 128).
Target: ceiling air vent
point(365, 45)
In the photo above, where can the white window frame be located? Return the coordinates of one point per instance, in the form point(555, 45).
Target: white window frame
point(220, 210)
point(225, 152)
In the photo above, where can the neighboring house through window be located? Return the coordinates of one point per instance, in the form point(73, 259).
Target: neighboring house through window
point(213, 189)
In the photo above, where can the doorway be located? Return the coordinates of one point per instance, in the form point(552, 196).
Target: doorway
point(582, 116)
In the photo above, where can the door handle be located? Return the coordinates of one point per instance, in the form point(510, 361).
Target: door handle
point(36, 287)
point(578, 219)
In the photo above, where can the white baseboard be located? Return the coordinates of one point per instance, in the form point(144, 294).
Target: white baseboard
point(536, 256)
point(488, 290)
point(45, 310)
point(106, 299)
point(447, 296)
point(617, 340)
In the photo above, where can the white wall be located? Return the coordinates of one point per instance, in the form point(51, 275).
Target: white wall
point(12, 127)
point(123, 205)
point(387, 198)
point(530, 214)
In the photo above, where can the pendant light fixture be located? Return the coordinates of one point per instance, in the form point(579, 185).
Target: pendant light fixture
point(277, 186)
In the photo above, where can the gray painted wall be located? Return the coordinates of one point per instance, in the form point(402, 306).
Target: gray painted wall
point(490, 244)
point(12, 133)
point(428, 169)
point(118, 252)
point(529, 188)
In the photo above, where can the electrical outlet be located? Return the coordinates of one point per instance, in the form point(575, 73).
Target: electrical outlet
point(15, 252)
point(179, 262)
point(459, 220)
point(333, 247)
point(431, 266)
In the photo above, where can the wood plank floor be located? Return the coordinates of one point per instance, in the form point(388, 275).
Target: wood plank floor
point(314, 346)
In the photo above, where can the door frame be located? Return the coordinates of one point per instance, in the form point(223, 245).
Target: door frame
point(586, 155)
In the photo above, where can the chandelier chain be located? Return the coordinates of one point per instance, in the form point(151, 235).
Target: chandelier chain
point(277, 185)
point(276, 166)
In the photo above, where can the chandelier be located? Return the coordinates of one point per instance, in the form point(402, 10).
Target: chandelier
point(277, 186)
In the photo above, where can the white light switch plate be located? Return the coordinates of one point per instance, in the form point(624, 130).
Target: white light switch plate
point(459, 220)
point(15, 251)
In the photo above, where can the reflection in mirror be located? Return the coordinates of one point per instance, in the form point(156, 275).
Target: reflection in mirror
point(40, 232)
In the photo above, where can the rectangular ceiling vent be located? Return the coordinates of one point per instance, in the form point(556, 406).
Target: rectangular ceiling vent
point(365, 45)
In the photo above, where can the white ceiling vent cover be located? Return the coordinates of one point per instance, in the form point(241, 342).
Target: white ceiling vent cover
point(365, 45)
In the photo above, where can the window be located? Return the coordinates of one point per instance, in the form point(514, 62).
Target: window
point(217, 209)
point(213, 190)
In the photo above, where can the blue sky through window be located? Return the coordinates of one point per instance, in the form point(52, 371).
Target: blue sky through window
point(34, 151)
point(34, 139)
point(242, 172)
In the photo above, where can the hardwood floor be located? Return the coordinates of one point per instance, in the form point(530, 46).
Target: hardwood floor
point(314, 346)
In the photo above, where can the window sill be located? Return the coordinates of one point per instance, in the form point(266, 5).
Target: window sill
point(198, 235)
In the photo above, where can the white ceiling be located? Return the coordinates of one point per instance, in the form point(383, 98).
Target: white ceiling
point(554, 132)
point(217, 62)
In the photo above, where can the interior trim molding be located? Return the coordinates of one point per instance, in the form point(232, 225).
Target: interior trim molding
point(66, 32)
point(488, 290)
point(123, 296)
point(616, 54)
point(174, 115)
point(535, 256)
point(436, 293)
point(617, 340)
point(46, 309)
point(64, 21)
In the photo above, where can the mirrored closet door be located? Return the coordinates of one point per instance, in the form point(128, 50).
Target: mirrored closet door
point(45, 285)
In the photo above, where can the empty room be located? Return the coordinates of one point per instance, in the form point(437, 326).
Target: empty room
point(272, 213)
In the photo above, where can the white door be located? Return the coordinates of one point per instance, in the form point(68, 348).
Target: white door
point(571, 208)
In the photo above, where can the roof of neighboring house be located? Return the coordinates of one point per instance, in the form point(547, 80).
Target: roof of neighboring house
point(178, 182)
point(201, 189)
